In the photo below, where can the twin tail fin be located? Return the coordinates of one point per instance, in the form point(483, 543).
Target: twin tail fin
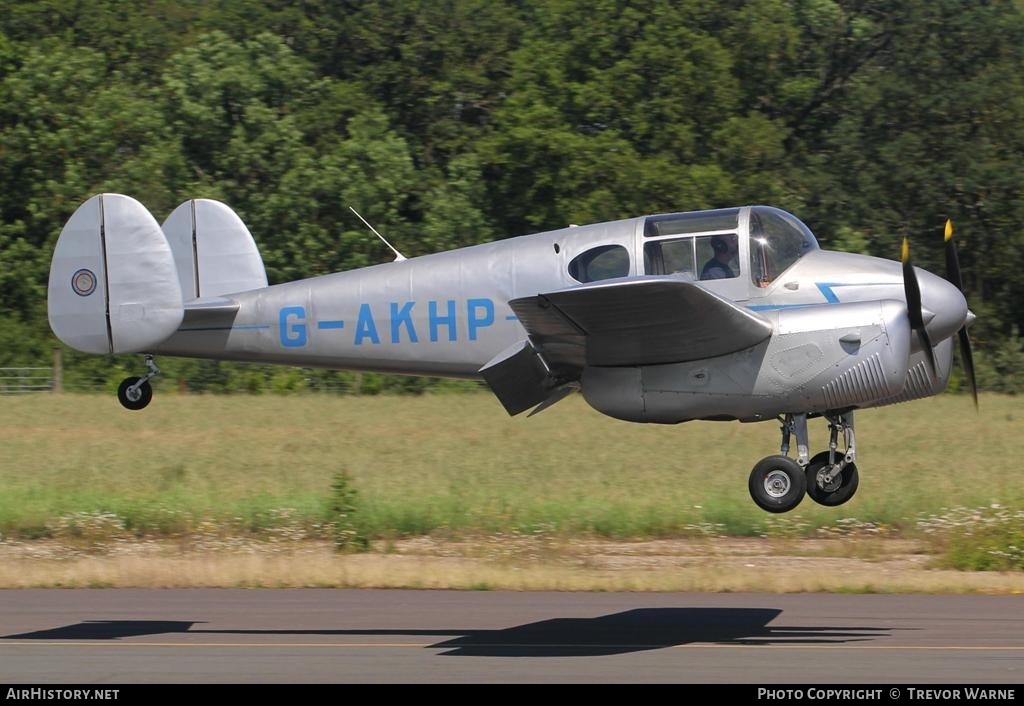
point(120, 283)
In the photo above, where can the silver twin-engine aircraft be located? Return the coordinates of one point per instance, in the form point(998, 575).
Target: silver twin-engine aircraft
point(731, 314)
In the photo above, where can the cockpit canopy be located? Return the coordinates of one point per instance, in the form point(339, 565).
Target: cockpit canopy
point(745, 247)
point(709, 245)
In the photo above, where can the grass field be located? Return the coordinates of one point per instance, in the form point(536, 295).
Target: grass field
point(455, 464)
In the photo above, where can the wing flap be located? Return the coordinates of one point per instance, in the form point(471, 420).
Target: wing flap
point(518, 377)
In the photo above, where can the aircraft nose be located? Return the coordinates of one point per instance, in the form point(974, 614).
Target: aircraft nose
point(945, 308)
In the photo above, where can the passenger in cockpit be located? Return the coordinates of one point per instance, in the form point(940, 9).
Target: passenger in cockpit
point(718, 267)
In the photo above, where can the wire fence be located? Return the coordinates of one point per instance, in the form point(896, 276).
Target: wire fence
point(23, 381)
point(252, 380)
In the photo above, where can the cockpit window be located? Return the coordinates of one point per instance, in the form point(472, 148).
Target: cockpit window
point(695, 222)
point(719, 255)
point(669, 257)
point(604, 262)
point(777, 240)
point(700, 257)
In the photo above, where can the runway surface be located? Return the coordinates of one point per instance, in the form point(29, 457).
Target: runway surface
point(325, 635)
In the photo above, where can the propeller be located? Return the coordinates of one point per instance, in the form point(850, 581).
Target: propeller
point(914, 309)
point(953, 275)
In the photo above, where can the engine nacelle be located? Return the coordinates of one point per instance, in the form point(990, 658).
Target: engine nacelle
point(817, 359)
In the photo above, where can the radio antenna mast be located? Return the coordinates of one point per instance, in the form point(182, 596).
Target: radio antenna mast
point(398, 256)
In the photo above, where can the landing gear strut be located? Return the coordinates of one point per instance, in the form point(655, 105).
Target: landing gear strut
point(778, 483)
point(136, 392)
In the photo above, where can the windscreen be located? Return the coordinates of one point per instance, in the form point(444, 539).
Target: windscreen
point(777, 240)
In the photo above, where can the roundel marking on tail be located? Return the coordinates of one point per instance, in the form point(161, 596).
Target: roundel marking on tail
point(84, 282)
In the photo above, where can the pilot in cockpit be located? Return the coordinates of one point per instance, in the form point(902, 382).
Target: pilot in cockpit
point(725, 248)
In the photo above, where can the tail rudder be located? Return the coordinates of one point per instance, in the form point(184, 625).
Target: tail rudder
point(214, 252)
point(113, 286)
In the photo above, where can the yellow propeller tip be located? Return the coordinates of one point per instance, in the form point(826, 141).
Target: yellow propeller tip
point(905, 257)
point(949, 229)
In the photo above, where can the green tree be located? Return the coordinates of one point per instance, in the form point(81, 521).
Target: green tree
point(70, 126)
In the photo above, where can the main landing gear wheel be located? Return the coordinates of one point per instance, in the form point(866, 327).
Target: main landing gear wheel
point(133, 397)
point(836, 490)
point(777, 484)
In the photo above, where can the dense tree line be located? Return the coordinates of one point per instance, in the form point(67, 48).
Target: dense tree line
point(450, 122)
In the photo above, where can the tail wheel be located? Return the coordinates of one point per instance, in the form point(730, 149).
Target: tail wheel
point(838, 490)
point(777, 484)
point(136, 398)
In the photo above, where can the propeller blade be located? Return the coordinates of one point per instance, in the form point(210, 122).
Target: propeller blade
point(968, 359)
point(929, 354)
point(913, 294)
point(952, 261)
point(954, 276)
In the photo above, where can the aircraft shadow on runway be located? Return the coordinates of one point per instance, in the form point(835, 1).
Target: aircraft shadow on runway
point(630, 631)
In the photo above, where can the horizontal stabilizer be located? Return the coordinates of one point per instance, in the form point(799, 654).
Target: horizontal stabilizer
point(209, 312)
point(213, 250)
point(637, 321)
point(113, 283)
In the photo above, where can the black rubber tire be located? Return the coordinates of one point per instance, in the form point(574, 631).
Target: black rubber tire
point(145, 394)
point(837, 494)
point(785, 475)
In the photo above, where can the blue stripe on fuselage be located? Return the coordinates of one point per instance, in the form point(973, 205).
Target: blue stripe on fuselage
point(826, 289)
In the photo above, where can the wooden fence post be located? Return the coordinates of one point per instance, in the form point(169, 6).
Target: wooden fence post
point(58, 370)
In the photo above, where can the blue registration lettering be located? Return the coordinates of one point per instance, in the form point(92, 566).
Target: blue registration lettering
point(400, 317)
point(365, 327)
point(292, 335)
point(436, 321)
point(473, 321)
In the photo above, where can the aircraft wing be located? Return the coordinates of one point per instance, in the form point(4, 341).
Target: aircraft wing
point(620, 322)
point(637, 321)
